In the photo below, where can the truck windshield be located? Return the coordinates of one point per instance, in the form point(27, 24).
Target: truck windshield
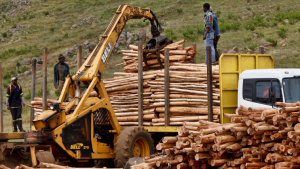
point(291, 87)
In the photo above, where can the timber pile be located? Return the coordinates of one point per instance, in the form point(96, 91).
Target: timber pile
point(37, 104)
point(177, 53)
point(257, 138)
point(188, 95)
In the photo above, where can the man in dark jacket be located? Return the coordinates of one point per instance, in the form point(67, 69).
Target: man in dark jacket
point(61, 70)
point(14, 102)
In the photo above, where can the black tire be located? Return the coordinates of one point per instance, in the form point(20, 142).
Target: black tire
point(126, 145)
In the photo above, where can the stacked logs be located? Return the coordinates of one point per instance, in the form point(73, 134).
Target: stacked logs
point(188, 95)
point(37, 105)
point(177, 53)
point(257, 138)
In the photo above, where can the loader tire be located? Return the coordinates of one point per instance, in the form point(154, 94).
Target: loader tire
point(132, 142)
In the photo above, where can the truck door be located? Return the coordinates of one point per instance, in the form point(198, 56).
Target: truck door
point(255, 92)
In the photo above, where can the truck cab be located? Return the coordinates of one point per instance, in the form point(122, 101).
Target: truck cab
point(254, 87)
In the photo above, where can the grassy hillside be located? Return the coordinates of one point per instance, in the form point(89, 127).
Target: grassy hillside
point(59, 25)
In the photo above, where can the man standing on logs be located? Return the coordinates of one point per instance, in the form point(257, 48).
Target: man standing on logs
point(208, 32)
point(217, 35)
point(14, 102)
point(61, 70)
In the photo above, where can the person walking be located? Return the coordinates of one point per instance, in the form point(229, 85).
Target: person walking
point(61, 70)
point(209, 32)
point(216, 35)
point(14, 102)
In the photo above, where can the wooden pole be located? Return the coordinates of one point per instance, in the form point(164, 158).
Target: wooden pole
point(209, 84)
point(167, 88)
point(261, 50)
point(33, 81)
point(1, 100)
point(195, 58)
point(44, 78)
point(140, 83)
point(79, 56)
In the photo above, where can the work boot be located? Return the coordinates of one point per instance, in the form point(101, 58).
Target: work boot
point(20, 126)
point(15, 130)
point(15, 126)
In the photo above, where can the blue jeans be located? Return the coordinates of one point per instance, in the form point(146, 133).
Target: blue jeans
point(209, 41)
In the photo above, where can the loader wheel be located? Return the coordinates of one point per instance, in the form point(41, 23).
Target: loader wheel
point(132, 142)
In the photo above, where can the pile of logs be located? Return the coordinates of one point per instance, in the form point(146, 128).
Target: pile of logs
point(257, 138)
point(188, 95)
point(177, 53)
point(37, 104)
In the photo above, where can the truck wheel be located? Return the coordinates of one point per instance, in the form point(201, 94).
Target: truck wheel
point(132, 142)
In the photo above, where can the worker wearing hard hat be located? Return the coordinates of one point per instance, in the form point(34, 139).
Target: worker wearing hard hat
point(14, 102)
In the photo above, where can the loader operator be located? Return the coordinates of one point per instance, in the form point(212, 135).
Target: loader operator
point(14, 102)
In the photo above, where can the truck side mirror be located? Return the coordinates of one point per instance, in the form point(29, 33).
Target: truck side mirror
point(272, 95)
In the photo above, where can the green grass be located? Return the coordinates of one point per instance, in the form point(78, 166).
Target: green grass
point(252, 46)
point(181, 19)
point(272, 41)
point(282, 32)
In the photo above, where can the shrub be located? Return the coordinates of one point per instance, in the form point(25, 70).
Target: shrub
point(24, 17)
point(28, 95)
point(230, 16)
point(46, 13)
point(179, 10)
point(252, 46)
point(248, 1)
point(189, 33)
point(272, 41)
point(236, 25)
point(249, 26)
point(260, 34)
point(274, 23)
point(18, 64)
point(51, 29)
point(14, 26)
point(195, 14)
point(170, 34)
point(3, 16)
point(282, 32)
point(31, 16)
point(247, 39)
point(59, 9)
point(248, 8)
point(24, 69)
point(132, 25)
point(218, 13)
point(5, 84)
point(66, 35)
point(292, 21)
point(4, 34)
point(39, 93)
point(277, 7)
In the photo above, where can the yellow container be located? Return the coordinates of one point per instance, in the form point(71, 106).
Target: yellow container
point(231, 66)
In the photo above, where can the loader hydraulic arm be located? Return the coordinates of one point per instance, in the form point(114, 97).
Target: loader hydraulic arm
point(90, 72)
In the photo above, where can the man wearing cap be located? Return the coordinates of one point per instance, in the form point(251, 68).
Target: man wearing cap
point(14, 102)
point(61, 70)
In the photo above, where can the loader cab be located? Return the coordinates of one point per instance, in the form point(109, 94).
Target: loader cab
point(264, 87)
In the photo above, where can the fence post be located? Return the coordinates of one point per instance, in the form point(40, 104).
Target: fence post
point(1, 100)
point(167, 88)
point(33, 82)
point(209, 84)
point(44, 78)
point(140, 84)
point(261, 50)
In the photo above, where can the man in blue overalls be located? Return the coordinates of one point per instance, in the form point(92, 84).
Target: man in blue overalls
point(14, 102)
